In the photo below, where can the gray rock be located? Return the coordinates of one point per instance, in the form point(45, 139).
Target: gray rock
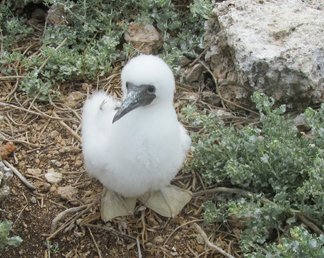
point(144, 37)
point(194, 73)
point(5, 176)
point(273, 46)
point(4, 192)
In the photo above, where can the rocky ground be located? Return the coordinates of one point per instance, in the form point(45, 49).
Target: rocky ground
point(60, 218)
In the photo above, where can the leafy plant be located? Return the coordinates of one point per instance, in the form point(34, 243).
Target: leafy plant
point(5, 240)
point(12, 29)
point(298, 243)
point(280, 166)
point(89, 42)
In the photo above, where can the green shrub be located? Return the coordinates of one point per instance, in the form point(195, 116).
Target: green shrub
point(5, 240)
point(298, 243)
point(13, 29)
point(273, 160)
point(90, 42)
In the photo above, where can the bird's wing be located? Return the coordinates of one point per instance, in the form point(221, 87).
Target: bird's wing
point(98, 103)
point(97, 116)
point(185, 139)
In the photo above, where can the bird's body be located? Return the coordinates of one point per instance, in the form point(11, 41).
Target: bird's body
point(142, 151)
point(136, 155)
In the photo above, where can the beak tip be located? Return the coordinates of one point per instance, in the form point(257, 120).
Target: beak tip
point(114, 119)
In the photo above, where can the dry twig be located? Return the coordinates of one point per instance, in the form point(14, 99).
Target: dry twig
point(210, 244)
point(61, 215)
point(19, 175)
point(309, 223)
point(74, 134)
point(110, 229)
point(182, 225)
point(39, 113)
point(95, 243)
point(138, 248)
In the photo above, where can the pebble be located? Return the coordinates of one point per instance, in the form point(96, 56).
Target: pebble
point(56, 163)
point(67, 192)
point(158, 240)
point(177, 237)
point(53, 177)
point(200, 248)
point(34, 171)
point(174, 251)
point(74, 98)
point(33, 200)
point(53, 189)
point(54, 134)
point(44, 187)
point(200, 239)
point(78, 163)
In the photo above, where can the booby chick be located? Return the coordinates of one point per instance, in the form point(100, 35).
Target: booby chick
point(136, 147)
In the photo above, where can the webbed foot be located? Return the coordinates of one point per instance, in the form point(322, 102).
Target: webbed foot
point(168, 202)
point(114, 205)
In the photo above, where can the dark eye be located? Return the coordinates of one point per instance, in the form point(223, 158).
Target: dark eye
point(151, 89)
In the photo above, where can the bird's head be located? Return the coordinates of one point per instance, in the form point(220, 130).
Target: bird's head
point(146, 80)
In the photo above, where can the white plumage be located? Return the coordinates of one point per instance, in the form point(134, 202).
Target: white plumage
point(145, 148)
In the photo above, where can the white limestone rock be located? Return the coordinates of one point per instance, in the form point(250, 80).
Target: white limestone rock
point(273, 46)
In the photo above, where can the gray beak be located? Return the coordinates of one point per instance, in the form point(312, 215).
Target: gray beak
point(137, 96)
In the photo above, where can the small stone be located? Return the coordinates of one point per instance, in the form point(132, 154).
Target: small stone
point(223, 114)
point(158, 240)
point(53, 177)
point(78, 163)
point(194, 73)
point(4, 192)
point(43, 187)
point(33, 200)
point(53, 189)
point(144, 37)
point(200, 239)
point(74, 99)
point(67, 192)
point(174, 251)
point(56, 15)
point(184, 61)
point(200, 248)
point(56, 163)
point(54, 134)
point(34, 171)
point(177, 237)
point(211, 98)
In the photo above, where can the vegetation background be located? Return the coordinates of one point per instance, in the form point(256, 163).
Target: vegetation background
point(267, 176)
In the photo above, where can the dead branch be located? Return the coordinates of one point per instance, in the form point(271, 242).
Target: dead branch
point(19, 175)
point(61, 215)
point(70, 130)
point(210, 244)
point(95, 243)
